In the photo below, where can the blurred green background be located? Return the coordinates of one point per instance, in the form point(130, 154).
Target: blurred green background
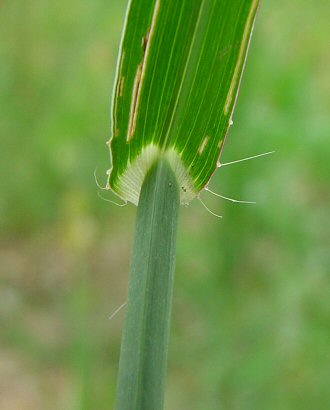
point(251, 318)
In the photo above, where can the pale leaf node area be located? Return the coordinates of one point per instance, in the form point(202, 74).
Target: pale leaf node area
point(128, 185)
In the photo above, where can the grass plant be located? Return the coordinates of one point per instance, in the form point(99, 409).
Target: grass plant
point(178, 76)
point(250, 322)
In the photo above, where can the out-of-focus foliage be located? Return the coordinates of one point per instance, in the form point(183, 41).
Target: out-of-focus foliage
point(252, 293)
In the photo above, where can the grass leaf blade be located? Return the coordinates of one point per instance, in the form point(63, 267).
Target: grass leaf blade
point(178, 77)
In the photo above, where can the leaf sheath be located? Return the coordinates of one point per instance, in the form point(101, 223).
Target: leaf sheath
point(143, 357)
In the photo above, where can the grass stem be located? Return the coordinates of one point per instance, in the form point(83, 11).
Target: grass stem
point(144, 349)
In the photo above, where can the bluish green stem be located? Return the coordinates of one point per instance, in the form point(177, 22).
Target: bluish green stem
point(144, 349)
